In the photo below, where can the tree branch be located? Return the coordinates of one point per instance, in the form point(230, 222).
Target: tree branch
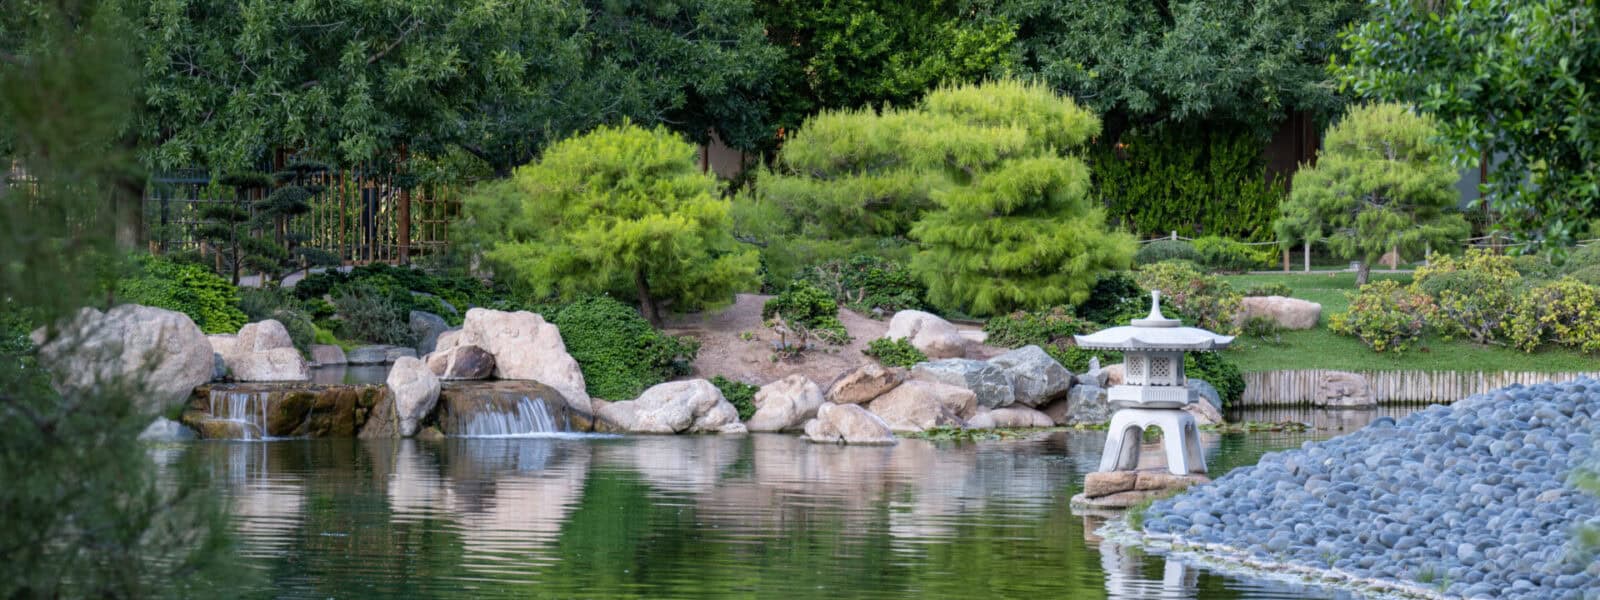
point(414, 24)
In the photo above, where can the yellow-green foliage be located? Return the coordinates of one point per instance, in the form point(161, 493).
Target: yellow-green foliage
point(1203, 300)
point(620, 209)
point(977, 174)
point(1381, 181)
point(1476, 293)
point(1564, 312)
point(1385, 316)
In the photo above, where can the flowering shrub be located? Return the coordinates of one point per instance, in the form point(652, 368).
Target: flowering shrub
point(1475, 293)
point(1564, 312)
point(1203, 300)
point(1385, 316)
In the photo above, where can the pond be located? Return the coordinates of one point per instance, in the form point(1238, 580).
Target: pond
point(764, 516)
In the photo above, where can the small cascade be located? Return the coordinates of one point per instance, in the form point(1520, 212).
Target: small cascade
point(248, 409)
point(526, 417)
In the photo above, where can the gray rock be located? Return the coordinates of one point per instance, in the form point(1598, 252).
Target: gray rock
point(1036, 378)
point(166, 430)
point(416, 391)
point(461, 362)
point(427, 326)
point(327, 355)
point(987, 381)
point(1340, 389)
point(378, 354)
point(785, 404)
point(1084, 405)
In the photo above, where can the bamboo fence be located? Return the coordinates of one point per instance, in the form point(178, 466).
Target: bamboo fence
point(1301, 387)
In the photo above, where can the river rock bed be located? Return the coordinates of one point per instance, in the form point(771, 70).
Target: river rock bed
point(1472, 499)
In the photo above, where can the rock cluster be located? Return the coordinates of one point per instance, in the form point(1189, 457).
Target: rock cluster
point(693, 406)
point(1473, 499)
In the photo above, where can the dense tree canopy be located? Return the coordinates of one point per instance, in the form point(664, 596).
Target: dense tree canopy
point(1511, 80)
point(353, 81)
point(1133, 63)
point(621, 210)
point(1381, 182)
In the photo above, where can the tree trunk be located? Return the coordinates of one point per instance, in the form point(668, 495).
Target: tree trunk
point(127, 203)
point(647, 303)
point(1362, 272)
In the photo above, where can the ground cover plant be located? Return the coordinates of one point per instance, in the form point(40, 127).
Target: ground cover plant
point(618, 351)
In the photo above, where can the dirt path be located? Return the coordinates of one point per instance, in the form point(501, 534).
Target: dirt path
point(734, 344)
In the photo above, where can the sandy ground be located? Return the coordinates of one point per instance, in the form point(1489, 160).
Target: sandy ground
point(734, 344)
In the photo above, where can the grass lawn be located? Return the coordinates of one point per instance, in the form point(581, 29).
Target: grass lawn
point(1322, 349)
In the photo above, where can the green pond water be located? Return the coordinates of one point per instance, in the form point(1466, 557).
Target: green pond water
point(760, 516)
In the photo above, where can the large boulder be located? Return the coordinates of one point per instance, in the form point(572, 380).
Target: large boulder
point(326, 355)
point(693, 406)
point(1036, 378)
point(415, 389)
point(160, 353)
point(1010, 416)
point(1341, 389)
point(864, 383)
point(848, 424)
point(1084, 404)
point(1288, 313)
point(988, 382)
point(524, 347)
point(785, 404)
point(378, 354)
point(934, 336)
point(917, 405)
point(262, 351)
point(461, 362)
point(427, 326)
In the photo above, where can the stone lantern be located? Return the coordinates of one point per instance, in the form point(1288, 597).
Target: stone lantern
point(1154, 390)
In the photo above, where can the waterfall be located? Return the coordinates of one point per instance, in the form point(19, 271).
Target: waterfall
point(249, 409)
point(528, 417)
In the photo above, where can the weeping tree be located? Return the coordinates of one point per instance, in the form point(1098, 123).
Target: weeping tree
point(622, 210)
point(977, 177)
point(1382, 182)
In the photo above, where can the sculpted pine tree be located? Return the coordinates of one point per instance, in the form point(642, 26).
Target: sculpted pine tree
point(621, 210)
point(1382, 182)
point(1017, 230)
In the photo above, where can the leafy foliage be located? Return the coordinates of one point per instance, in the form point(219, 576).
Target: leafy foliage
point(1203, 300)
point(1475, 294)
point(896, 352)
point(1050, 328)
point(1217, 370)
point(619, 209)
point(1115, 298)
point(1385, 316)
point(210, 301)
point(1269, 289)
point(1187, 180)
point(869, 283)
point(1076, 359)
point(619, 353)
point(808, 311)
point(370, 314)
point(1564, 312)
point(1505, 79)
point(1221, 254)
point(1165, 250)
point(1381, 182)
point(741, 395)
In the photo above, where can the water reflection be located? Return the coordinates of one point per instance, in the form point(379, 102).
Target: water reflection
point(1340, 420)
point(692, 516)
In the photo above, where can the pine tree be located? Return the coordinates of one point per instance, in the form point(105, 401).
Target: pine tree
point(1382, 182)
point(620, 210)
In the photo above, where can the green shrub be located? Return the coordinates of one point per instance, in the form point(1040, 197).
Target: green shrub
point(740, 395)
point(866, 282)
point(1263, 328)
point(1589, 274)
point(1222, 254)
point(1164, 250)
point(617, 350)
point(1385, 316)
point(1018, 329)
point(1475, 293)
point(370, 314)
point(1115, 299)
point(808, 311)
point(209, 300)
point(1076, 359)
point(317, 285)
point(1201, 300)
point(319, 309)
point(895, 353)
point(1565, 312)
point(1269, 289)
point(1171, 178)
point(1217, 370)
point(1534, 266)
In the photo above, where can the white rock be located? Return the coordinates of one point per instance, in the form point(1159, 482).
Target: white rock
point(934, 336)
point(416, 391)
point(1010, 416)
point(166, 430)
point(918, 405)
point(1288, 313)
point(263, 352)
point(785, 404)
point(693, 406)
point(524, 347)
point(162, 354)
point(848, 424)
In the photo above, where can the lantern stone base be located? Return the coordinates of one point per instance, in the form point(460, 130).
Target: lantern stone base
point(1123, 489)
